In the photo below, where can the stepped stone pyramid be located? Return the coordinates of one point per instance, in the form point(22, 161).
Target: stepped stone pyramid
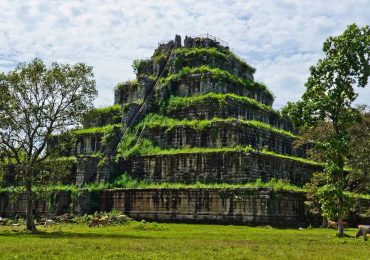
point(206, 97)
point(193, 113)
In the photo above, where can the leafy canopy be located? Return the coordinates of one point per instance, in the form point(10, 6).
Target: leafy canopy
point(37, 102)
point(40, 101)
point(330, 89)
point(330, 93)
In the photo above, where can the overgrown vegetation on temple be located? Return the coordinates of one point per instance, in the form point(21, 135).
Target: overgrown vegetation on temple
point(195, 118)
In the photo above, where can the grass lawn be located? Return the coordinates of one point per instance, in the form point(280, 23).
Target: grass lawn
point(178, 241)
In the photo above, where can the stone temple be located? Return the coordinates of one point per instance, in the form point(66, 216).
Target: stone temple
point(194, 114)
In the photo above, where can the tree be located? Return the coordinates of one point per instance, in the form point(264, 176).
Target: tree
point(329, 96)
point(359, 157)
point(37, 102)
point(358, 179)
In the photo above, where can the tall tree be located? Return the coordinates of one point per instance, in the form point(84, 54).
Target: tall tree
point(329, 96)
point(358, 179)
point(359, 158)
point(36, 102)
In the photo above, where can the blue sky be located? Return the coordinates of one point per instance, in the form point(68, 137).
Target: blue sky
point(282, 39)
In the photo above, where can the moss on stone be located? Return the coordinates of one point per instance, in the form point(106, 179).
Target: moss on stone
point(216, 73)
point(133, 84)
point(221, 55)
point(155, 120)
point(95, 130)
point(175, 102)
point(103, 116)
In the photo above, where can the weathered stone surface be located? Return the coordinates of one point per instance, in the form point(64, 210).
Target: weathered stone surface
point(223, 134)
point(203, 83)
point(11, 208)
point(204, 41)
point(86, 170)
point(236, 206)
point(231, 64)
point(87, 143)
point(220, 206)
point(210, 108)
point(229, 167)
point(128, 93)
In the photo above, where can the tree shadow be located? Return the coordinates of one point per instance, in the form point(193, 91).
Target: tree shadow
point(65, 234)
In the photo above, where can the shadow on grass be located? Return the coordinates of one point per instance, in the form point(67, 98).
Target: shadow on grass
point(65, 234)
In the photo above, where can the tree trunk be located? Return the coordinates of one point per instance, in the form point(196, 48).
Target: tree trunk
point(340, 227)
point(30, 224)
point(340, 217)
point(324, 222)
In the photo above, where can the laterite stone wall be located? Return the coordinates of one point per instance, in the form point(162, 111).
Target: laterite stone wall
point(229, 167)
point(223, 134)
point(216, 206)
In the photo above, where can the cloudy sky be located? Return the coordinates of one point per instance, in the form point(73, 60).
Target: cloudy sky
point(282, 39)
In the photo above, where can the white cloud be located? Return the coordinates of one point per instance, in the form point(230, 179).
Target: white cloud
point(280, 38)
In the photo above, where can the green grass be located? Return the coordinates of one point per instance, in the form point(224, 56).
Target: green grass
point(95, 130)
point(155, 120)
point(127, 105)
point(178, 241)
point(133, 84)
point(358, 195)
point(132, 146)
point(175, 102)
point(127, 182)
point(105, 114)
point(107, 110)
point(217, 74)
point(244, 149)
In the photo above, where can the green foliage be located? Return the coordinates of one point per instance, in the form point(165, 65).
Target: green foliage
point(135, 65)
point(334, 202)
point(330, 93)
point(318, 180)
point(216, 73)
point(159, 56)
point(131, 145)
point(202, 150)
point(223, 56)
point(176, 103)
point(125, 181)
point(143, 146)
point(359, 159)
point(103, 116)
point(95, 130)
point(303, 160)
point(126, 106)
point(357, 195)
point(61, 145)
point(133, 84)
point(155, 120)
point(40, 102)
